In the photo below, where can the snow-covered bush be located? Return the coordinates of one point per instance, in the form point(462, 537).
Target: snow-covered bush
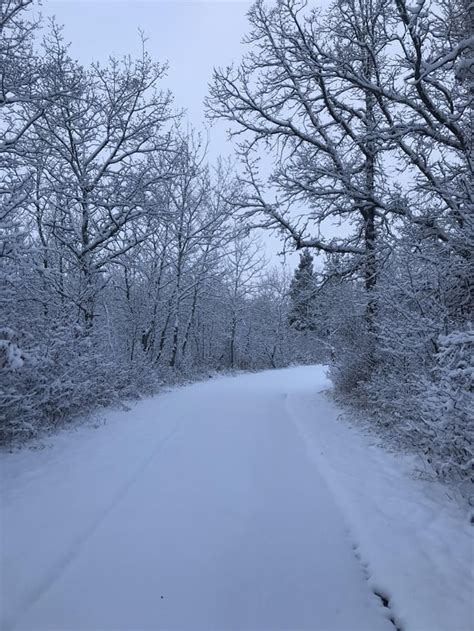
point(447, 407)
point(413, 374)
point(11, 356)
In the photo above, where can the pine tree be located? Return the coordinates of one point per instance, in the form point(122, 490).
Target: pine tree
point(302, 293)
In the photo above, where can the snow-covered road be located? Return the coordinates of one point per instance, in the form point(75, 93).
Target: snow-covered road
point(202, 508)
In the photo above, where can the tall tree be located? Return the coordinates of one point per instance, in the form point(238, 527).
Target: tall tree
point(102, 143)
point(322, 130)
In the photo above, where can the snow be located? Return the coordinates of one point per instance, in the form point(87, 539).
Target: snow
point(11, 357)
point(237, 503)
point(411, 534)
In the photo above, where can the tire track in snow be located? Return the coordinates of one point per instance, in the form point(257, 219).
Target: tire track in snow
point(54, 573)
point(379, 592)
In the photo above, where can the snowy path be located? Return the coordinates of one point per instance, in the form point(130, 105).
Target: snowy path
point(203, 508)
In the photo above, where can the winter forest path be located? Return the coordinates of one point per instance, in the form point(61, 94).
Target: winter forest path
point(199, 509)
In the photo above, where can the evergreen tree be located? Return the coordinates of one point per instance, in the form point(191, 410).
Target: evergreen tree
point(302, 292)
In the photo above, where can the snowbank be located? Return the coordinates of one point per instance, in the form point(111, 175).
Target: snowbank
point(410, 533)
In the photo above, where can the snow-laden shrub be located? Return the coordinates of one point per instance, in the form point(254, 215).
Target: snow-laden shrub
point(352, 344)
point(63, 375)
point(447, 409)
point(413, 377)
point(11, 356)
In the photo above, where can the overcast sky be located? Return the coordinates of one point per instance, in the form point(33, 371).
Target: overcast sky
point(193, 36)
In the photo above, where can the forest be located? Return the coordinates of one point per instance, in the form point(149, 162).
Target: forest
point(129, 260)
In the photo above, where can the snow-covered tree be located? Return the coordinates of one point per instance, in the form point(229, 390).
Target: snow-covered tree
point(303, 295)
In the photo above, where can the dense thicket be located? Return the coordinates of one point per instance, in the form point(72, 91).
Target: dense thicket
point(122, 265)
point(366, 110)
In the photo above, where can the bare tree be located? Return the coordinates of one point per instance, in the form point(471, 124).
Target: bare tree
point(102, 144)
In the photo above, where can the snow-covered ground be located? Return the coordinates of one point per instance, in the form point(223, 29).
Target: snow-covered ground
point(237, 503)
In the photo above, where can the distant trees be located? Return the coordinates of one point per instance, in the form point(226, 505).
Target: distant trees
point(245, 262)
point(303, 295)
